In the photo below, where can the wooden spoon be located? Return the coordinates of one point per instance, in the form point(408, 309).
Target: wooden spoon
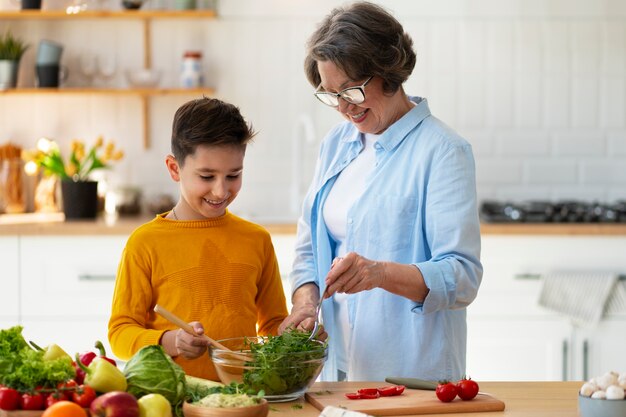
point(174, 319)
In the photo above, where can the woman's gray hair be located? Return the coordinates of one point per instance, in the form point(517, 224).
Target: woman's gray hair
point(363, 40)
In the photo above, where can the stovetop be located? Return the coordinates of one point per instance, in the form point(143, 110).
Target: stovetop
point(492, 211)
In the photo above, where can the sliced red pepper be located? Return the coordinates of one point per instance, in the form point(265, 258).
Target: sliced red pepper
point(353, 395)
point(368, 391)
point(391, 390)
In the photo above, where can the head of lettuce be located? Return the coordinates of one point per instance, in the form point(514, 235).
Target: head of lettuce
point(152, 371)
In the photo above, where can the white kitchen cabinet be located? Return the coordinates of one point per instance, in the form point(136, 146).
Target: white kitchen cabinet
point(517, 349)
point(599, 350)
point(511, 337)
point(10, 290)
point(68, 286)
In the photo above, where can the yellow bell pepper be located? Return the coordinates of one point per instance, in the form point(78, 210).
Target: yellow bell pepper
point(55, 351)
point(103, 376)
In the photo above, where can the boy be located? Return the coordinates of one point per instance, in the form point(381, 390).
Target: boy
point(199, 261)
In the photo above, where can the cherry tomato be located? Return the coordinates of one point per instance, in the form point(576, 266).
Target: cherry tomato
point(54, 398)
point(9, 399)
point(467, 389)
point(353, 395)
point(32, 401)
point(446, 391)
point(84, 396)
point(391, 390)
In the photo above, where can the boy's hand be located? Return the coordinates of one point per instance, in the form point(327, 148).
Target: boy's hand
point(189, 346)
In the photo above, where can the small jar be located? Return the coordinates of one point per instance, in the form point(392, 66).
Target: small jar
point(191, 70)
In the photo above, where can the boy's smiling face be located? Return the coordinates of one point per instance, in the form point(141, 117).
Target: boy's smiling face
point(210, 179)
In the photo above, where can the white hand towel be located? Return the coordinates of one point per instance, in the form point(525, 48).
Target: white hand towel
point(617, 299)
point(582, 296)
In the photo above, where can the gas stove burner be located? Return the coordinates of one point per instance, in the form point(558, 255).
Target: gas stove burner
point(567, 211)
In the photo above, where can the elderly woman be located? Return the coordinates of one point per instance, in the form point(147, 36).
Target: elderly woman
point(392, 210)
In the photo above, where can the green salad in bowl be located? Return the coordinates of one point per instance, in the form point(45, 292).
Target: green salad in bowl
point(283, 367)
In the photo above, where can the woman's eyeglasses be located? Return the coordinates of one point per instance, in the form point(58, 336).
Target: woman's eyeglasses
point(353, 95)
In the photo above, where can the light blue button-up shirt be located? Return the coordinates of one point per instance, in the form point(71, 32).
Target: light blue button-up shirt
point(419, 207)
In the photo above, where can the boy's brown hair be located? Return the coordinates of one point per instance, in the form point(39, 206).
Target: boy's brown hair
point(208, 121)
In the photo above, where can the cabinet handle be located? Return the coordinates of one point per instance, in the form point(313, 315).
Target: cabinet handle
point(95, 277)
point(585, 360)
point(565, 357)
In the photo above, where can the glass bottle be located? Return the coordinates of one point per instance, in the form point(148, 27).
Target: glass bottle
point(191, 70)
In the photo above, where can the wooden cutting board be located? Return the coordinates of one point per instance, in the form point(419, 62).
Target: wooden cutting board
point(410, 402)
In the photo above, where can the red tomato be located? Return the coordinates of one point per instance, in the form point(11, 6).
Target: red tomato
point(467, 389)
point(446, 391)
point(9, 399)
point(84, 396)
point(32, 401)
point(391, 390)
point(54, 398)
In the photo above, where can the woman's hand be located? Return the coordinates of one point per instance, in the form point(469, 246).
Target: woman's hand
point(302, 316)
point(354, 273)
point(180, 343)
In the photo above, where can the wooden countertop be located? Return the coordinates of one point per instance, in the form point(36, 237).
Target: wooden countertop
point(41, 224)
point(32, 224)
point(522, 399)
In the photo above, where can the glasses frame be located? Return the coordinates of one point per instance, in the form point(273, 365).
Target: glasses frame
point(342, 94)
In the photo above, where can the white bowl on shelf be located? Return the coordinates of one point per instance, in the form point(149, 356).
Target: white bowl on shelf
point(143, 77)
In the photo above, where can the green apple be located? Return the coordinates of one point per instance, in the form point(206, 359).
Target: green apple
point(154, 405)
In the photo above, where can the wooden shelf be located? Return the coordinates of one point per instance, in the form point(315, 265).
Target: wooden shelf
point(111, 91)
point(108, 14)
point(145, 16)
point(143, 93)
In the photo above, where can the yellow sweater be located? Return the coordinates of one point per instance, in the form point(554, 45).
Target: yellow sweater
point(221, 272)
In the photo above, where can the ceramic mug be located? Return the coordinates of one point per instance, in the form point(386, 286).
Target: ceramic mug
point(50, 75)
point(49, 52)
point(31, 4)
point(28, 4)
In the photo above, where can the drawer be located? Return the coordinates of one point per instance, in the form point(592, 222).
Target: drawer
point(65, 276)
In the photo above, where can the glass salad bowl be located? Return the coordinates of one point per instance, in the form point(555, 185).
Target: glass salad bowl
point(284, 366)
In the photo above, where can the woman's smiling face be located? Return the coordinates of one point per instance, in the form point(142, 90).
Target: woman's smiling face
point(377, 112)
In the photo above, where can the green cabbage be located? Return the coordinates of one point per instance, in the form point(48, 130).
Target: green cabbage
point(151, 370)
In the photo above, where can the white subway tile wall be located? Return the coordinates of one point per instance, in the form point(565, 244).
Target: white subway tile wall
point(537, 86)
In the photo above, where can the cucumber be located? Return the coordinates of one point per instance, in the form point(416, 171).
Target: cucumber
point(194, 382)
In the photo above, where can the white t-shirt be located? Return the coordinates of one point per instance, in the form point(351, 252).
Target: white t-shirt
point(347, 189)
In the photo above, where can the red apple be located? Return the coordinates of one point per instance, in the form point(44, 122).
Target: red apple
point(115, 404)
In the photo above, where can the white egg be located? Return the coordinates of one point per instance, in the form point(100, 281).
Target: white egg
point(587, 389)
point(614, 393)
point(599, 395)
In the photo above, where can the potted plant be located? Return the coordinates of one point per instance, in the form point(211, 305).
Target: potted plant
point(79, 193)
point(11, 51)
